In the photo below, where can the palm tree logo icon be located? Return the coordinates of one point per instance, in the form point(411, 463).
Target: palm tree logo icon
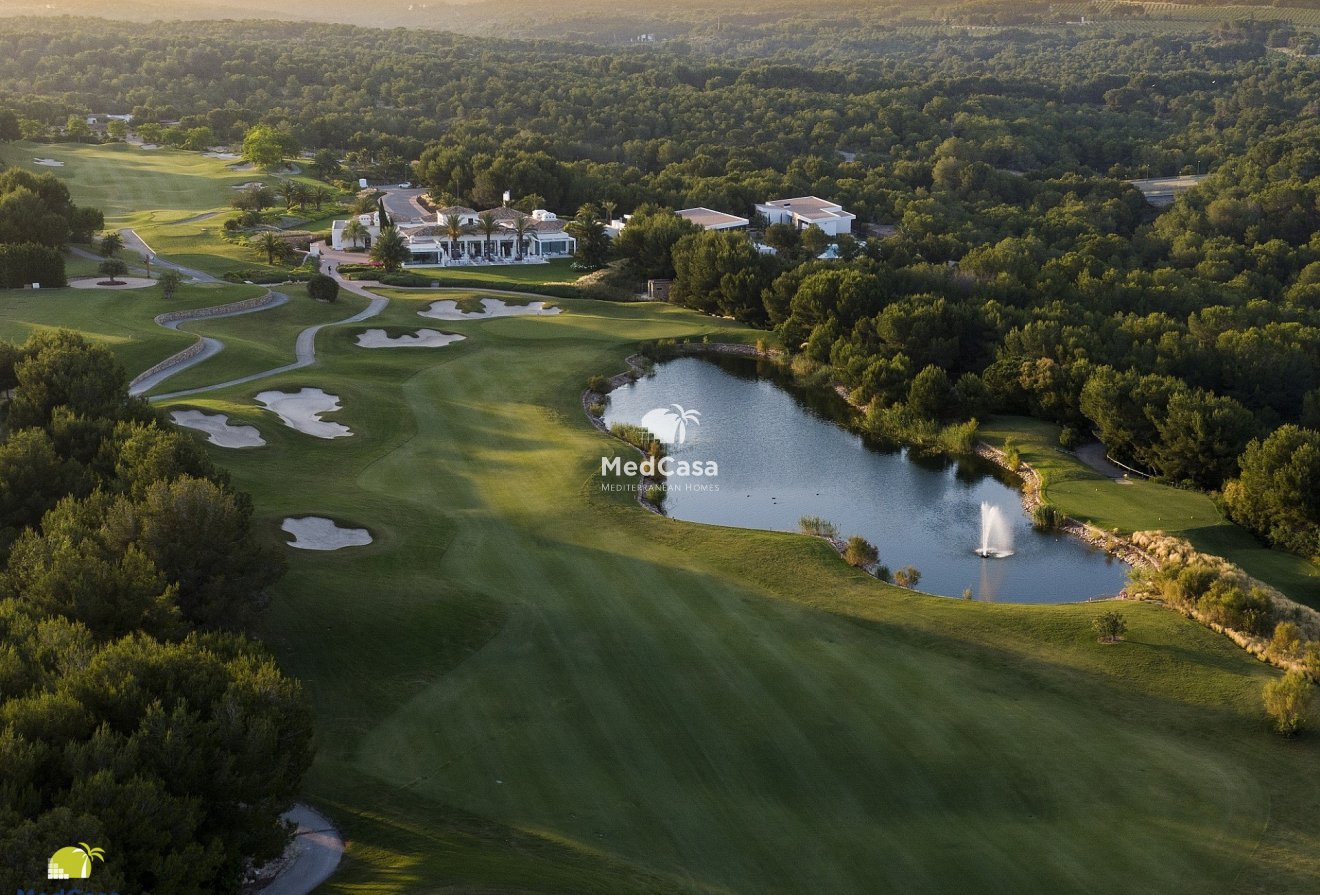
point(74, 862)
point(669, 424)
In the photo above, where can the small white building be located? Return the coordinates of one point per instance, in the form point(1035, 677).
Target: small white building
point(804, 211)
point(710, 219)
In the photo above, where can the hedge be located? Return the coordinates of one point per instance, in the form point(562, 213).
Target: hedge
point(22, 264)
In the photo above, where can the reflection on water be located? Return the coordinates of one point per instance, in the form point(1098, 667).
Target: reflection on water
point(783, 455)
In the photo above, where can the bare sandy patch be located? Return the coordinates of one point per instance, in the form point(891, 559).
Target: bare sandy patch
point(120, 283)
point(319, 533)
point(220, 154)
point(48, 162)
point(491, 307)
point(302, 410)
point(218, 429)
point(422, 338)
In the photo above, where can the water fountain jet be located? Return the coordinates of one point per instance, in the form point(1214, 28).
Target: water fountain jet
point(996, 535)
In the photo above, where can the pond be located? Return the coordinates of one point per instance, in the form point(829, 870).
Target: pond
point(782, 454)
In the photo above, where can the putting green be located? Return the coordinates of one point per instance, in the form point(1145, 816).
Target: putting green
point(525, 684)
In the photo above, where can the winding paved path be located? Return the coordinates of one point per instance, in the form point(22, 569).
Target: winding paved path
point(313, 855)
point(192, 356)
point(304, 350)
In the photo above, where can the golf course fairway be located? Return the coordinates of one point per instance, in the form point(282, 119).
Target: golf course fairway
point(526, 684)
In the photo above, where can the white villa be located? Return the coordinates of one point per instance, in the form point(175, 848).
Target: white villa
point(710, 219)
point(804, 211)
point(542, 237)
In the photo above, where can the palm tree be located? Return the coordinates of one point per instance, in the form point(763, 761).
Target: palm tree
point(589, 231)
point(455, 230)
point(391, 249)
point(355, 232)
point(288, 191)
point(487, 224)
point(521, 227)
point(608, 207)
point(319, 195)
point(272, 245)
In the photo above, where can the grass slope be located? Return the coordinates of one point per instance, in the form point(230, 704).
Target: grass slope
point(121, 320)
point(163, 194)
point(528, 685)
point(1142, 506)
point(510, 276)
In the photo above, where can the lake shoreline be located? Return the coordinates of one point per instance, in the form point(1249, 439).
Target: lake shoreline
point(1026, 482)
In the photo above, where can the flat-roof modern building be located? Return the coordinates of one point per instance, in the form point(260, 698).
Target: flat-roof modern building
point(710, 219)
point(804, 211)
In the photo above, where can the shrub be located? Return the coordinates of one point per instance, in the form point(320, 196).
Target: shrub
point(860, 552)
point(323, 288)
point(1070, 438)
point(1287, 640)
point(1045, 517)
point(1110, 627)
point(1311, 658)
point(599, 384)
point(1288, 701)
point(908, 576)
point(1227, 603)
point(816, 525)
point(1012, 457)
point(596, 408)
point(655, 494)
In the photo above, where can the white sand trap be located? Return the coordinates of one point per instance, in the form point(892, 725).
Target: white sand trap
point(149, 147)
point(48, 162)
point(218, 429)
point(250, 185)
point(319, 533)
point(227, 156)
point(423, 338)
point(302, 410)
point(491, 307)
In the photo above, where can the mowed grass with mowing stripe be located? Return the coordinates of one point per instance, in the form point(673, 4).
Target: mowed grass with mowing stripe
point(528, 684)
point(122, 320)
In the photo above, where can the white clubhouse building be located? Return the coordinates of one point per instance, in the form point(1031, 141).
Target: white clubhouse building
point(515, 238)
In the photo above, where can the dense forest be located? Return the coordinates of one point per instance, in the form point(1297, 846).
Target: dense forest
point(1023, 275)
point(128, 688)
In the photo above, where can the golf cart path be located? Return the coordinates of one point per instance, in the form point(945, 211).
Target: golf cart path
point(135, 243)
point(312, 856)
point(205, 347)
point(304, 348)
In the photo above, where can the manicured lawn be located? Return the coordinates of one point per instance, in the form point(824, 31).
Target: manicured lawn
point(1142, 506)
point(120, 320)
point(526, 684)
point(557, 271)
point(163, 194)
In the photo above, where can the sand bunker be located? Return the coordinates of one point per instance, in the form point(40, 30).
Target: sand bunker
point(149, 147)
point(48, 162)
point(250, 185)
point(218, 429)
point(491, 307)
point(319, 533)
point(302, 410)
point(227, 156)
point(423, 338)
